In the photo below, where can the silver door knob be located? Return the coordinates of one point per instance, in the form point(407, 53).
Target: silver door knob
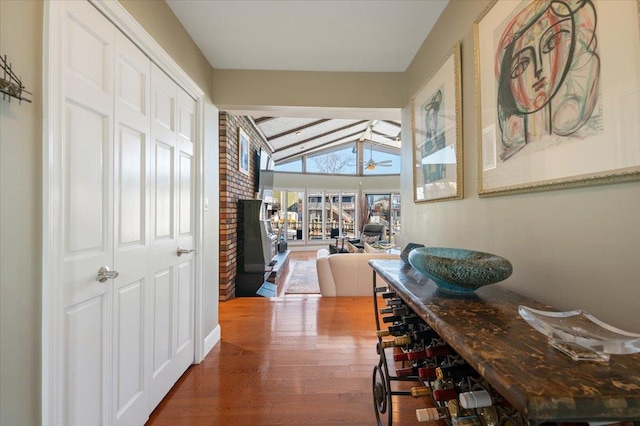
point(105, 273)
point(182, 251)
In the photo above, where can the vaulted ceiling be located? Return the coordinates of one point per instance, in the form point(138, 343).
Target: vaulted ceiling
point(312, 35)
point(291, 138)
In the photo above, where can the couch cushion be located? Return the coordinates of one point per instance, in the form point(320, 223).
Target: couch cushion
point(352, 274)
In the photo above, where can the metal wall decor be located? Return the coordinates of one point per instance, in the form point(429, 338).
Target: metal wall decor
point(10, 85)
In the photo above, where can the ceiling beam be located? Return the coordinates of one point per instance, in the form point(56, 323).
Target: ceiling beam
point(298, 129)
point(392, 138)
point(393, 123)
point(357, 123)
point(326, 145)
point(264, 119)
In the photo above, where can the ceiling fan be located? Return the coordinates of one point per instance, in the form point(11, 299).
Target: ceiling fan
point(371, 164)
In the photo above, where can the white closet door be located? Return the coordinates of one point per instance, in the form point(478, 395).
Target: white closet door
point(172, 209)
point(132, 252)
point(126, 166)
point(185, 193)
point(87, 198)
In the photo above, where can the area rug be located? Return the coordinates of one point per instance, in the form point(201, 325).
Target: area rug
point(304, 278)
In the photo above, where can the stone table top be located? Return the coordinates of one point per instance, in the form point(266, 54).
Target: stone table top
point(541, 382)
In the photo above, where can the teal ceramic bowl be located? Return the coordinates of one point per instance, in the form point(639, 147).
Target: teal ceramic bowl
point(460, 270)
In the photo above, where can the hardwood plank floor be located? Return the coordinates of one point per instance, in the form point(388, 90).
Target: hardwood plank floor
point(286, 360)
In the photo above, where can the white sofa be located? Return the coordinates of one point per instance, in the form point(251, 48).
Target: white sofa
point(347, 274)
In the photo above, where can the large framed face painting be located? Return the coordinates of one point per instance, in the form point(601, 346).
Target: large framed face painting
point(558, 90)
point(436, 122)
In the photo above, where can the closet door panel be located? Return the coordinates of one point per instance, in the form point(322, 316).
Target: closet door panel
point(132, 250)
point(186, 227)
point(86, 221)
point(163, 242)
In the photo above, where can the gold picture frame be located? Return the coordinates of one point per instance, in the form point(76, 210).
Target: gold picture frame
point(244, 147)
point(558, 94)
point(436, 124)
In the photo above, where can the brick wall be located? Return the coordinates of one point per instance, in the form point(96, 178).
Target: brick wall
point(234, 186)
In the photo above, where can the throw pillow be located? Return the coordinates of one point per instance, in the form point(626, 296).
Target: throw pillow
point(369, 238)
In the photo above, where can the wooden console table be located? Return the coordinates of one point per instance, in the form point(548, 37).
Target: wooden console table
point(540, 382)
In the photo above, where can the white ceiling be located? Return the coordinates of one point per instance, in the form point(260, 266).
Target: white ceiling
point(309, 35)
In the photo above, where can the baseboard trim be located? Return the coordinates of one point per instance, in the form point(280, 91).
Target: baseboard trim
point(211, 340)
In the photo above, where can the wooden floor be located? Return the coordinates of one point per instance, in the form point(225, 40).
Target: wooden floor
point(288, 360)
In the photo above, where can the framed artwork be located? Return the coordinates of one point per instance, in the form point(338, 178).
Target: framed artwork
point(558, 92)
point(436, 123)
point(243, 152)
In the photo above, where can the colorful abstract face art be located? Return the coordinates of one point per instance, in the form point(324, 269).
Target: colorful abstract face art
point(547, 70)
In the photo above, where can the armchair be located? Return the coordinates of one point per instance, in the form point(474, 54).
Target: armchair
point(371, 232)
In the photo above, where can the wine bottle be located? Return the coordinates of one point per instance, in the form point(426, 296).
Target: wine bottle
point(392, 318)
point(401, 357)
point(427, 373)
point(418, 391)
point(400, 310)
point(397, 329)
point(416, 355)
point(388, 310)
point(444, 394)
point(454, 409)
point(383, 333)
point(406, 372)
point(388, 294)
point(394, 302)
point(455, 372)
point(398, 341)
point(424, 335)
point(432, 414)
point(438, 351)
point(472, 420)
point(475, 399)
point(411, 320)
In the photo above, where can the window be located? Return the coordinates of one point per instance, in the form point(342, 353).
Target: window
point(331, 214)
point(286, 213)
point(308, 216)
point(290, 166)
point(334, 161)
point(383, 160)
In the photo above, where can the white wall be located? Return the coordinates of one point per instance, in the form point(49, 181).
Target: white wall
point(315, 181)
point(211, 221)
point(571, 248)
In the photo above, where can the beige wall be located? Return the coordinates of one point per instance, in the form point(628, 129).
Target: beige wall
point(247, 90)
point(571, 248)
point(20, 217)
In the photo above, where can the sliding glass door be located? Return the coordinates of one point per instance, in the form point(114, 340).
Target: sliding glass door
point(287, 213)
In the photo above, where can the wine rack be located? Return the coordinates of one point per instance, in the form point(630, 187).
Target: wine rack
point(439, 373)
point(508, 374)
